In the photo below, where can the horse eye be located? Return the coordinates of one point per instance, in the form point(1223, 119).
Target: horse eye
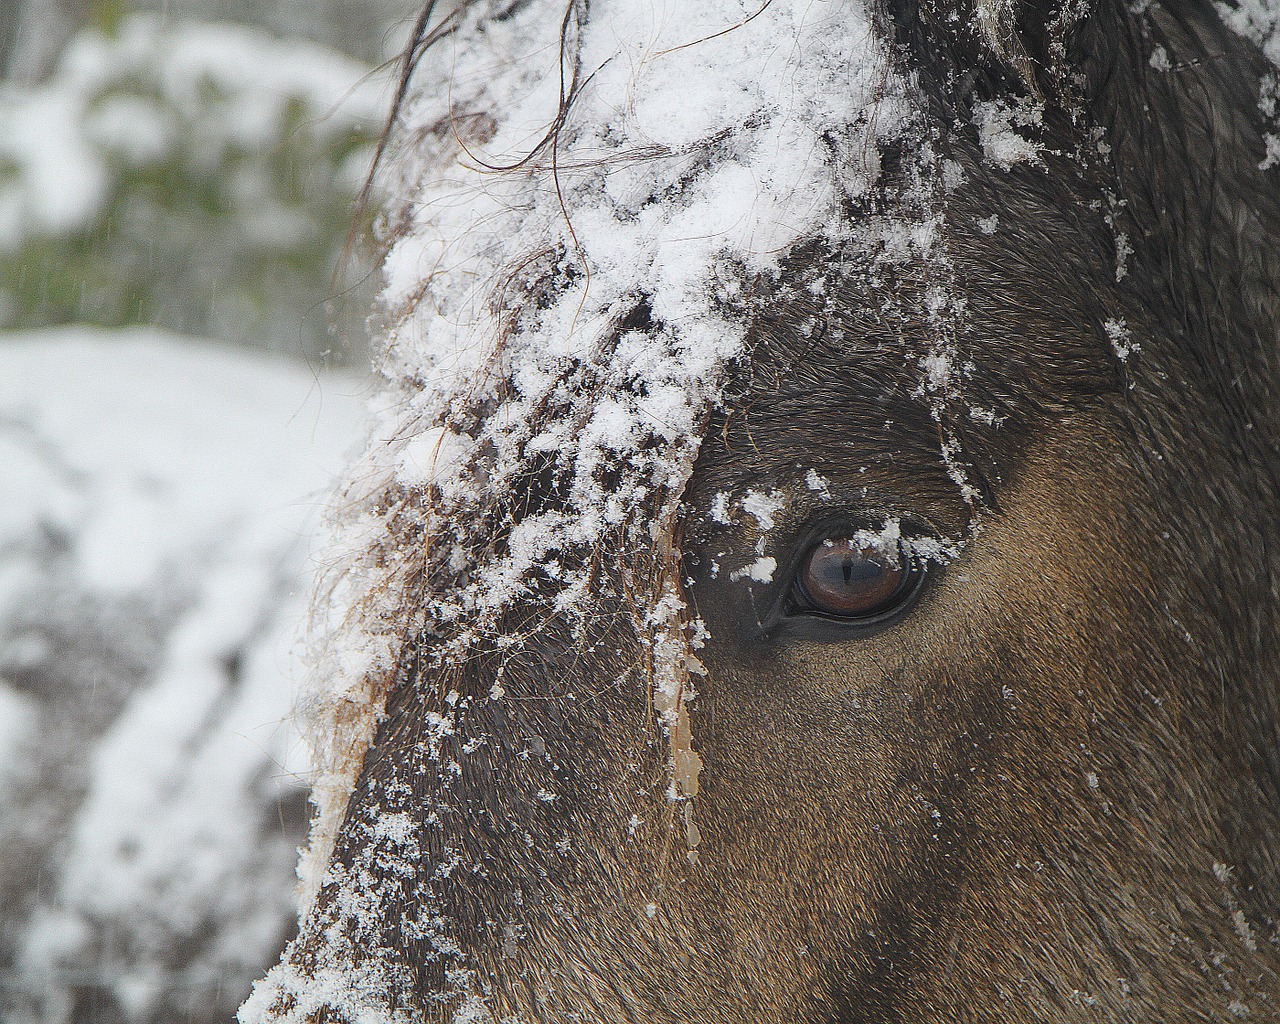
point(848, 579)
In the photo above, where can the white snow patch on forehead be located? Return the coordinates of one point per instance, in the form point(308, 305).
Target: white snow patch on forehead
point(1257, 20)
point(679, 147)
point(761, 506)
point(818, 483)
point(719, 511)
point(759, 571)
point(1121, 339)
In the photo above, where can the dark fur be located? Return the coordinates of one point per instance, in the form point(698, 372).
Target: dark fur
point(904, 828)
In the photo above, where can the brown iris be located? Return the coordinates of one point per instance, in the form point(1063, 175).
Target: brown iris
point(844, 578)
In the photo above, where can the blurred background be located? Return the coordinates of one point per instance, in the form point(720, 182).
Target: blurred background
point(184, 284)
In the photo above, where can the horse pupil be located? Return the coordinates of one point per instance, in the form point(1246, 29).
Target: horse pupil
point(859, 571)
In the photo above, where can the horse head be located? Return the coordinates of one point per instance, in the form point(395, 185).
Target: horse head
point(817, 557)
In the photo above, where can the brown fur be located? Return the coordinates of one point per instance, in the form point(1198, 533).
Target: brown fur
point(1049, 794)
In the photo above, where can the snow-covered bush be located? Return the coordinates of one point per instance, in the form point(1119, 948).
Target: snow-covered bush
point(157, 499)
point(197, 176)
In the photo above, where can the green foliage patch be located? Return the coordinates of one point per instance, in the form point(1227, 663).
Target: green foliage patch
point(200, 177)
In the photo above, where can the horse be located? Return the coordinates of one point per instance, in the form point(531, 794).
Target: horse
point(817, 560)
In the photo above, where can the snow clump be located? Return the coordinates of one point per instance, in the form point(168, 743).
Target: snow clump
point(1003, 129)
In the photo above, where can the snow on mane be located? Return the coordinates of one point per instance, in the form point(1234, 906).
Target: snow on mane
point(583, 197)
point(583, 203)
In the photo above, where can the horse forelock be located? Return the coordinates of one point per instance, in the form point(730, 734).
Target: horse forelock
point(569, 283)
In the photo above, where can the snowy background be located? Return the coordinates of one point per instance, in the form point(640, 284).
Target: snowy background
point(182, 375)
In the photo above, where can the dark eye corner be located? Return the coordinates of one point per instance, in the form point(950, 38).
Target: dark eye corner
point(852, 580)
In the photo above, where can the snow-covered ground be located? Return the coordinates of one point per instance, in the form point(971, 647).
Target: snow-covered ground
point(158, 496)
